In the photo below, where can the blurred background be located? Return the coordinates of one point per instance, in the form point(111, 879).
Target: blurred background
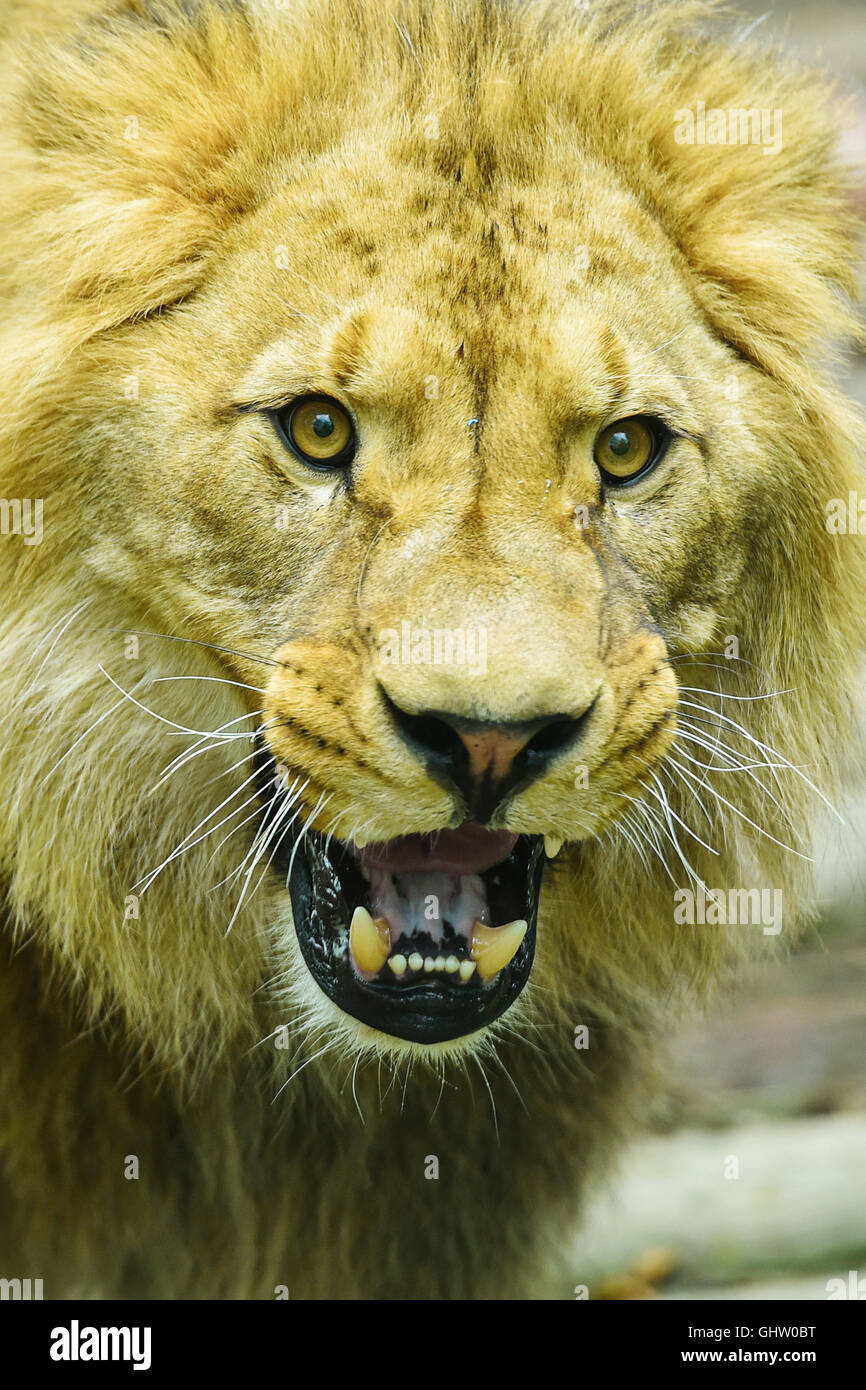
point(773, 1085)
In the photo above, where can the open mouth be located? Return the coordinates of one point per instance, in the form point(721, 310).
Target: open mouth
point(425, 937)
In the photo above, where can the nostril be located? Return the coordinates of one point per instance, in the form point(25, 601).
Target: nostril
point(555, 737)
point(428, 731)
point(425, 730)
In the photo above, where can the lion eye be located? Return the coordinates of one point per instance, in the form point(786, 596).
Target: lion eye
point(630, 447)
point(319, 431)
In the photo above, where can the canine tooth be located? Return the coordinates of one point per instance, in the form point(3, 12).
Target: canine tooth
point(429, 964)
point(467, 969)
point(369, 940)
point(452, 964)
point(552, 845)
point(493, 947)
point(415, 961)
point(439, 963)
point(398, 964)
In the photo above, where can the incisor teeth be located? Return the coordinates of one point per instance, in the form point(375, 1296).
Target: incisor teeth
point(439, 963)
point(398, 964)
point(452, 964)
point(415, 961)
point(369, 940)
point(429, 964)
point(494, 947)
point(467, 969)
point(552, 845)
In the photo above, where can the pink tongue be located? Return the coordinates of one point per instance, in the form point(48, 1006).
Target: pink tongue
point(469, 850)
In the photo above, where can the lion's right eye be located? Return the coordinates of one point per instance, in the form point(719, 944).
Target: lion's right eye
point(319, 431)
point(629, 448)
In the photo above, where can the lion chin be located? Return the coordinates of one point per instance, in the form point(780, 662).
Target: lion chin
point(422, 571)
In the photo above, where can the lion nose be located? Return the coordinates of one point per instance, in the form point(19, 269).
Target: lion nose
point(484, 760)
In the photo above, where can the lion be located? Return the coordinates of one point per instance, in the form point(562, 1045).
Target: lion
point(423, 618)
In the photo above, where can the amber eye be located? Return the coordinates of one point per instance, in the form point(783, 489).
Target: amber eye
point(629, 447)
point(319, 431)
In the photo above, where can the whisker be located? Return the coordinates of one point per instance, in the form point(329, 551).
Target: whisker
point(665, 770)
point(74, 745)
point(477, 1062)
point(726, 695)
point(735, 761)
point(652, 829)
point(218, 680)
point(354, 1092)
point(748, 768)
point(227, 771)
point(495, 1057)
point(329, 1046)
point(187, 844)
point(301, 837)
point(630, 832)
point(195, 642)
point(207, 742)
point(260, 851)
point(254, 815)
point(262, 835)
point(181, 759)
point(275, 836)
point(65, 622)
point(693, 659)
point(766, 751)
point(181, 728)
point(198, 749)
point(668, 818)
point(761, 831)
point(668, 810)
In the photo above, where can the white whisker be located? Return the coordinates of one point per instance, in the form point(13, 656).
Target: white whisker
point(187, 843)
point(765, 750)
point(180, 728)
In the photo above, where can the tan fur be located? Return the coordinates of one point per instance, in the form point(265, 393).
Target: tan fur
point(441, 211)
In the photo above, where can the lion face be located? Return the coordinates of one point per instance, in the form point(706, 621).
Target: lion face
point(394, 502)
point(459, 429)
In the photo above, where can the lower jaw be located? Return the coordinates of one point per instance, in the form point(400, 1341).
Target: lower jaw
point(325, 886)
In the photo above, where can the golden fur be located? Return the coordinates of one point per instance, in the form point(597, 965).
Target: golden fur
point(441, 211)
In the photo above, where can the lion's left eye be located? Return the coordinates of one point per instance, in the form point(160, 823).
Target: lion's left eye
point(630, 447)
point(319, 431)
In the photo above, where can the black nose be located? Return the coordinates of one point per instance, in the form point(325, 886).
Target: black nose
point(487, 761)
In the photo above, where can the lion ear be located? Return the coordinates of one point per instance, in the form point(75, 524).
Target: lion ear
point(124, 165)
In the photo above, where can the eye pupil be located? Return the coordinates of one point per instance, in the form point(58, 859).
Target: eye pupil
point(619, 443)
point(323, 425)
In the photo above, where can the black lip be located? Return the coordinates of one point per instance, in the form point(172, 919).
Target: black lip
point(432, 1009)
point(427, 1011)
